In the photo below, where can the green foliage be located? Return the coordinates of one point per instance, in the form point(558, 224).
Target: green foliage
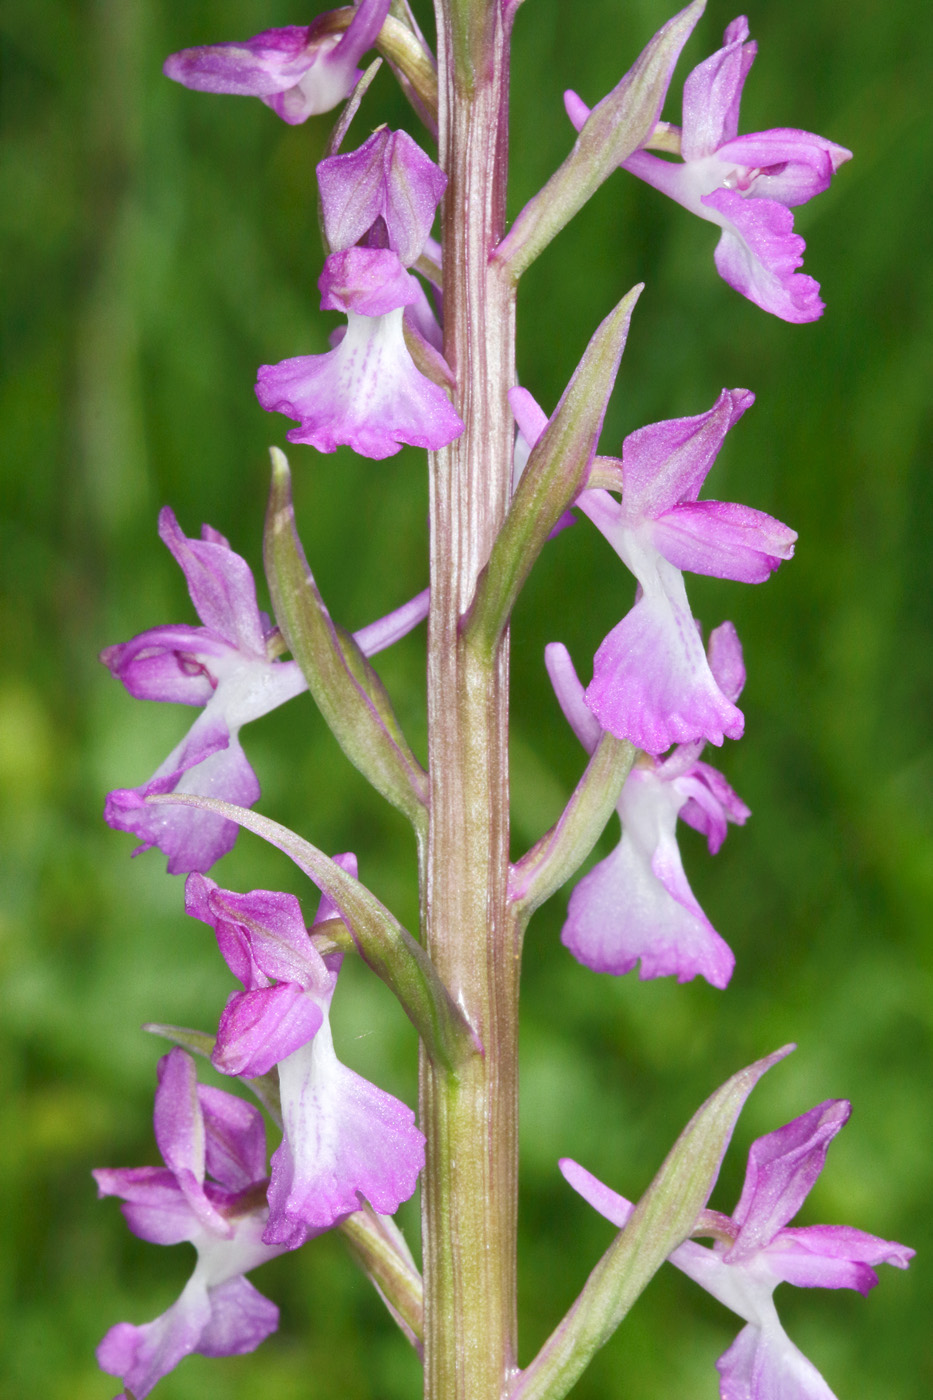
point(160, 245)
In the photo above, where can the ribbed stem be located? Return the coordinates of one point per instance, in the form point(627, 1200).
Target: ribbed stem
point(470, 1181)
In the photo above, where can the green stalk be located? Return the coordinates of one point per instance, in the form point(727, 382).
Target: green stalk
point(470, 1120)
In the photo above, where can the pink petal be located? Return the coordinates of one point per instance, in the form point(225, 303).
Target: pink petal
point(570, 695)
point(665, 464)
point(636, 904)
point(367, 394)
point(711, 804)
point(786, 164)
point(651, 680)
point(608, 1202)
point(240, 1319)
point(764, 1364)
point(713, 92)
point(204, 764)
point(220, 583)
point(723, 540)
point(270, 62)
point(759, 253)
point(389, 178)
point(258, 1029)
point(726, 661)
point(344, 1138)
point(234, 1139)
point(367, 281)
point(178, 664)
point(833, 1256)
point(141, 1356)
point(782, 1167)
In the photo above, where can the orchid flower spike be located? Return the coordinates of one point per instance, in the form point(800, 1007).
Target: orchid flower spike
point(211, 1192)
point(298, 71)
point(755, 1250)
point(343, 1137)
point(378, 204)
point(745, 184)
point(636, 905)
point(225, 667)
point(652, 683)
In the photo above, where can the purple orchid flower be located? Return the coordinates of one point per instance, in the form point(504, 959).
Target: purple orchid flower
point(745, 184)
point(202, 1133)
point(367, 393)
point(755, 1250)
point(378, 205)
point(652, 683)
point(225, 667)
point(343, 1137)
point(636, 904)
point(298, 71)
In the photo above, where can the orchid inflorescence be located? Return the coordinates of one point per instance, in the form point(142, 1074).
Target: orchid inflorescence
point(349, 1153)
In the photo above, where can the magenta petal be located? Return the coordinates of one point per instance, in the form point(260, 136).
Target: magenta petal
point(177, 664)
point(241, 1318)
point(261, 935)
point(601, 1197)
point(234, 1139)
point(711, 804)
point(366, 394)
point(782, 1167)
point(636, 904)
point(833, 1256)
point(764, 1364)
point(713, 92)
point(651, 680)
point(785, 164)
point(269, 62)
point(759, 253)
point(344, 1138)
point(178, 1120)
point(220, 583)
point(155, 1209)
point(191, 839)
point(665, 464)
point(723, 540)
point(258, 1029)
point(724, 651)
point(367, 281)
point(389, 178)
point(570, 695)
point(141, 1356)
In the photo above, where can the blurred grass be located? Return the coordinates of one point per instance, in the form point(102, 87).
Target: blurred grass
point(159, 246)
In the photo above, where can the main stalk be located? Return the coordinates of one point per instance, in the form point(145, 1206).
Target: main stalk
point(470, 1181)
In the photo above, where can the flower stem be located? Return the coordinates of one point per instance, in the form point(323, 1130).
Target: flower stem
point(470, 1117)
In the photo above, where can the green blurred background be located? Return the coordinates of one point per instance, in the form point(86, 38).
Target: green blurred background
point(160, 245)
